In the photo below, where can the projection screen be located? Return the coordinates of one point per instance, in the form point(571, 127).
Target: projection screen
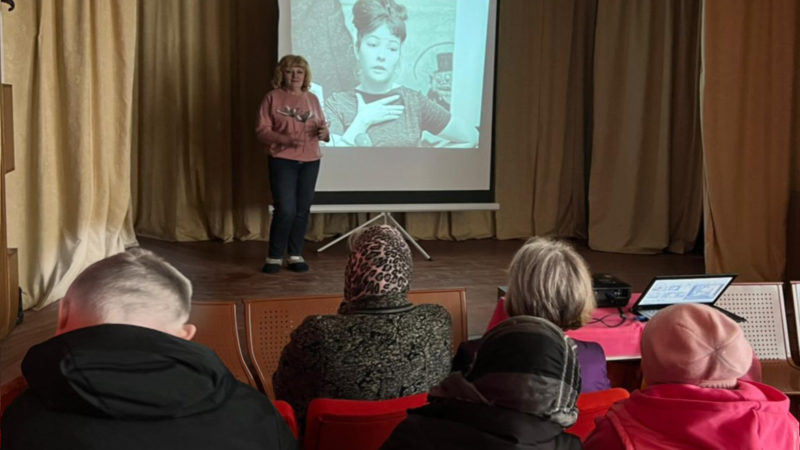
point(407, 88)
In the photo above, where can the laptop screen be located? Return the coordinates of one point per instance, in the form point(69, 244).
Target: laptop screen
point(688, 289)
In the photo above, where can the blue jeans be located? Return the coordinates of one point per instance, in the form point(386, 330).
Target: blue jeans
point(292, 183)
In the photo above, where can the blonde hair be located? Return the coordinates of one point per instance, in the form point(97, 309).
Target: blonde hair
point(287, 62)
point(132, 284)
point(549, 279)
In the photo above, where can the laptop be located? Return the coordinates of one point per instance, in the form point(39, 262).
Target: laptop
point(664, 291)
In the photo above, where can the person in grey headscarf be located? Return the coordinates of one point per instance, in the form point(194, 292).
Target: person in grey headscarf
point(519, 393)
point(379, 346)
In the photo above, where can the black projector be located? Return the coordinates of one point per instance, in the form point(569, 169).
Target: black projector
point(610, 291)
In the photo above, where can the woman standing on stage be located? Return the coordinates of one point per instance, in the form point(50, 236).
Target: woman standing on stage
point(291, 124)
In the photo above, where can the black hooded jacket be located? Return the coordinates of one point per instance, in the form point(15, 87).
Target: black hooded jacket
point(447, 424)
point(126, 387)
point(519, 393)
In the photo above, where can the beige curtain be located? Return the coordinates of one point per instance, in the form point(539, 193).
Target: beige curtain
point(751, 117)
point(645, 183)
point(542, 114)
point(70, 63)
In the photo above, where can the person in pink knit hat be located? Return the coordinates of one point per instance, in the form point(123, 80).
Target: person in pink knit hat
point(693, 359)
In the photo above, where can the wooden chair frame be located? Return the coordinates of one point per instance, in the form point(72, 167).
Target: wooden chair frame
point(217, 328)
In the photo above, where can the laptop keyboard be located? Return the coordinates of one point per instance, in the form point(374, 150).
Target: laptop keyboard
point(648, 313)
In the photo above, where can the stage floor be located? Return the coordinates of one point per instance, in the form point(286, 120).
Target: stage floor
point(221, 271)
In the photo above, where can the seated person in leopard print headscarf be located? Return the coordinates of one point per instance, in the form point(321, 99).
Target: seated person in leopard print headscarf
point(379, 346)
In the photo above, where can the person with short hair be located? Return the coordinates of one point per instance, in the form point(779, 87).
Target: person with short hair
point(121, 372)
point(379, 346)
point(547, 278)
point(520, 393)
point(693, 361)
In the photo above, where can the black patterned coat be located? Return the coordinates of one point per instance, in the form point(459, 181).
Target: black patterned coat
point(374, 349)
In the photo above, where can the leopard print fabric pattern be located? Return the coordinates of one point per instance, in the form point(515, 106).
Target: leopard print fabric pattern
point(379, 268)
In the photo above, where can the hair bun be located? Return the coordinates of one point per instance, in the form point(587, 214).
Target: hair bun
point(395, 9)
point(370, 14)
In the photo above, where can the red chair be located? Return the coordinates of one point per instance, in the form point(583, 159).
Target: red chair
point(11, 390)
point(592, 405)
point(287, 413)
point(499, 313)
point(355, 424)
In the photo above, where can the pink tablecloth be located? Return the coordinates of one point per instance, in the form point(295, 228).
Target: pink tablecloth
point(618, 342)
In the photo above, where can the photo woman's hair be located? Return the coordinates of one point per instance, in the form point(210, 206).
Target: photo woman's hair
point(368, 15)
point(288, 62)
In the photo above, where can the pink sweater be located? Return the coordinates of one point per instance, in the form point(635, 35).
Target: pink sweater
point(299, 116)
point(682, 416)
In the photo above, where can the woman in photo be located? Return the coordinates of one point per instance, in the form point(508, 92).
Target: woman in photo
point(379, 112)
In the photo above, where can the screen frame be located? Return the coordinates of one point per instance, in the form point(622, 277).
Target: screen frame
point(361, 197)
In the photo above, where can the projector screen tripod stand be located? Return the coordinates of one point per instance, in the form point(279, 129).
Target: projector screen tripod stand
point(388, 219)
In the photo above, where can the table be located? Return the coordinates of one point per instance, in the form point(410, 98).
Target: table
point(620, 342)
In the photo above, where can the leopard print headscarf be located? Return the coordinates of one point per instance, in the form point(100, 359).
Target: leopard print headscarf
point(378, 271)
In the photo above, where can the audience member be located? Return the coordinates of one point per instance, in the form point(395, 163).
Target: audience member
point(379, 346)
point(121, 372)
point(692, 359)
point(549, 279)
point(519, 394)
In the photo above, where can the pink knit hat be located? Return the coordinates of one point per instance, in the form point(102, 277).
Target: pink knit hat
point(694, 344)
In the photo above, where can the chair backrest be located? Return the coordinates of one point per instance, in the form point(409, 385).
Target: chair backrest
point(762, 305)
point(287, 414)
point(592, 405)
point(355, 424)
point(795, 291)
point(11, 390)
point(269, 323)
point(217, 329)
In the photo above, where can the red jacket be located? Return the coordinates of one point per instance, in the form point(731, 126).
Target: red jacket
point(683, 416)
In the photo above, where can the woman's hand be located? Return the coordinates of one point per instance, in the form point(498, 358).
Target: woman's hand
point(379, 111)
point(323, 132)
point(369, 114)
point(459, 134)
point(290, 140)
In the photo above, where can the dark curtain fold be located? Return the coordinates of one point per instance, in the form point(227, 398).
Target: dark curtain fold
point(645, 192)
point(201, 69)
point(543, 116)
